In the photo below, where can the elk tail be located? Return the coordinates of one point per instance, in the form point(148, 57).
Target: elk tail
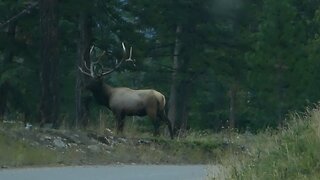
point(162, 113)
point(162, 103)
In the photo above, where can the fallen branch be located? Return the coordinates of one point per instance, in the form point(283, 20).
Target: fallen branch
point(17, 16)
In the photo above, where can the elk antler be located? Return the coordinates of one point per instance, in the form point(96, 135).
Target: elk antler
point(92, 67)
point(130, 59)
point(118, 64)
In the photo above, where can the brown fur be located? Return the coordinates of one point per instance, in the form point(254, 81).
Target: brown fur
point(124, 102)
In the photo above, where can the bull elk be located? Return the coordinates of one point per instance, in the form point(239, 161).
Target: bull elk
point(123, 101)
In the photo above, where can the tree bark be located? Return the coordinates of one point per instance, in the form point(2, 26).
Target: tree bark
point(4, 89)
point(172, 112)
point(8, 58)
point(49, 104)
point(183, 99)
point(280, 91)
point(83, 56)
point(232, 106)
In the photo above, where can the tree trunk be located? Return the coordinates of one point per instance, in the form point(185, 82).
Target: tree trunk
point(184, 94)
point(280, 92)
point(232, 106)
point(49, 104)
point(83, 56)
point(4, 90)
point(8, 57)
point(172, 112)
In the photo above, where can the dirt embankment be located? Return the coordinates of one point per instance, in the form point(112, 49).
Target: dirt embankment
point(64, 147)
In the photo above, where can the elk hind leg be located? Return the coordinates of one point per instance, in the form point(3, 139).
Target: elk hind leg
point(155, 121)
point(163, 117)
point(120, 122)
point(156, 124)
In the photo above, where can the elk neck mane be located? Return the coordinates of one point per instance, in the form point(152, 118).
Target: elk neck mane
point(102, 93)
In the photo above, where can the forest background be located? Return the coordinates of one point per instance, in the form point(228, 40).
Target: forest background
point(221, 63)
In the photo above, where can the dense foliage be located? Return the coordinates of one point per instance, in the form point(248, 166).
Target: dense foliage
point(239, 64)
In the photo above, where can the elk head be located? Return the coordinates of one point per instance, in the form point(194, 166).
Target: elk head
point(124, 101)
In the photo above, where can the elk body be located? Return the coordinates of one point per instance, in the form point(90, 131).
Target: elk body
point(123, 101)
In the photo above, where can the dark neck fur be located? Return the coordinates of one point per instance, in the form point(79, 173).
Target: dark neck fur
point(101, 92)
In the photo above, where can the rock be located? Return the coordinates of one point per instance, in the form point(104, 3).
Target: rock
point(94, 148)
point(45, 138)
point(28, 126)
point(104, 140)
point(122, 140)
point(108, 131)
point(35, 144)
point(59, 143)
point(141, 141)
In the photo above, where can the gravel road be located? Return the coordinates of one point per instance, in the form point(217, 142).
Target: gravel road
point(115, 172)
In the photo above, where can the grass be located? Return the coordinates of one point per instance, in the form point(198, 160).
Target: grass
point(291, 152)
point(195, 147)
point(162, 150)
point(139, 147)
point(16, 153)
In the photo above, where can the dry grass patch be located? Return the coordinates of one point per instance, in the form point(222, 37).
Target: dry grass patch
point(288, 153)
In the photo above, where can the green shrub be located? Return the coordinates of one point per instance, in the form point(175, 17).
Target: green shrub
point(292, 152)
